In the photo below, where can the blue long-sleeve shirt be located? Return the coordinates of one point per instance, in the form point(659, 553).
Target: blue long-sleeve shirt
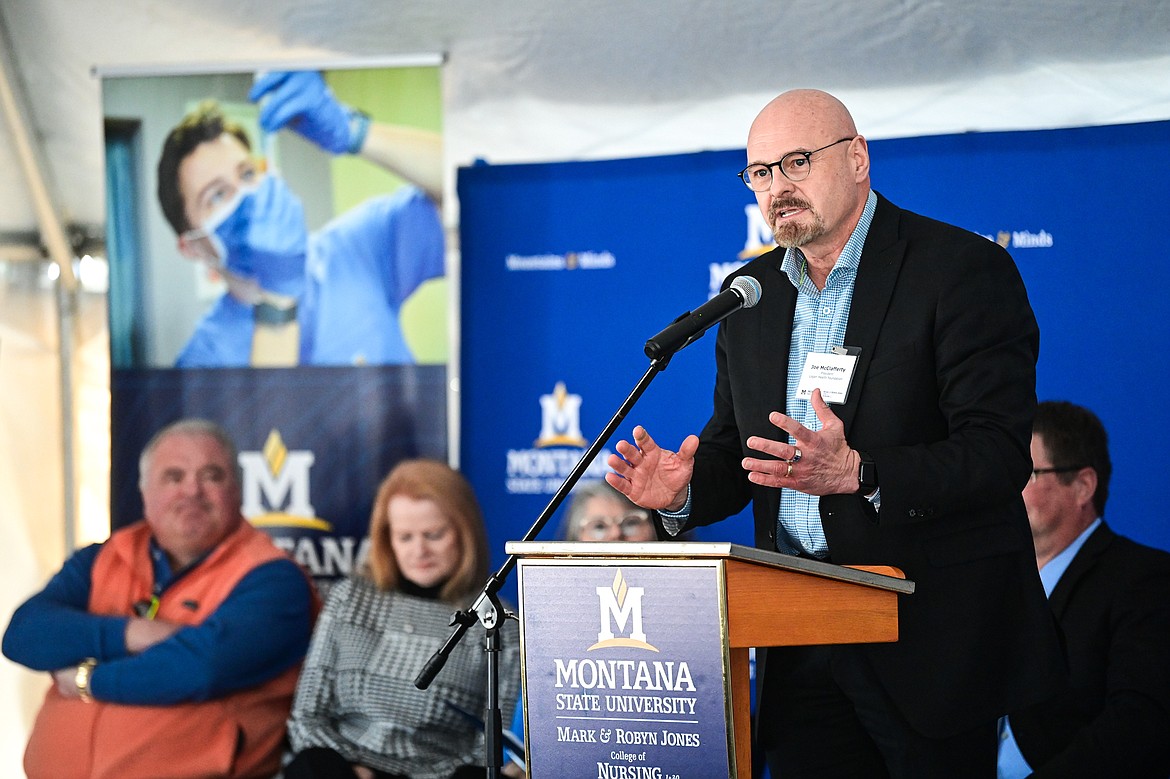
point(359, 270)
point(260, 630)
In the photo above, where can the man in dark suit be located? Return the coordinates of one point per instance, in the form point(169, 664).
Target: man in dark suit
point(918, 464)
point(1112, 598)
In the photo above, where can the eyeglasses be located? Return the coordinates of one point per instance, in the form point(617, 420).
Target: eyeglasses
point(795, 165)
point(598, 528)
point(1037, 472)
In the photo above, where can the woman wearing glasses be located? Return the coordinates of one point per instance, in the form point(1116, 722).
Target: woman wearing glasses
point(598, 512)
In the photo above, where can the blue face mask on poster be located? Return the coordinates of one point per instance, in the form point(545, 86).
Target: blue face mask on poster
point(262, 236)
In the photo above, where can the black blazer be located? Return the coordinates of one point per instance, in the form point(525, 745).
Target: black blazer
point(942, 398)
point(1113, 604)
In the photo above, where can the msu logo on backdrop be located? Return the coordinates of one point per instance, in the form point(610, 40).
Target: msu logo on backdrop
point(559, 445)
point(757, 241)
point(277, 497)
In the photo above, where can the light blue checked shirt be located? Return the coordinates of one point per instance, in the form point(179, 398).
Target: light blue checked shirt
point(818, 325)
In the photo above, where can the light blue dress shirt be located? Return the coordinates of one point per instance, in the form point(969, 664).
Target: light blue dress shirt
point(359, 270)
point(818, 325)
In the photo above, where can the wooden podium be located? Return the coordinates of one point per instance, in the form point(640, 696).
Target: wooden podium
point(671, 617)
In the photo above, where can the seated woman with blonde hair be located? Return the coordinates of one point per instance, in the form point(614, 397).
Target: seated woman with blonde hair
point(357, 712)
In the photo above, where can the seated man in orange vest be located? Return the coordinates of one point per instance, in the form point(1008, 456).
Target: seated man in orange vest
point(175, 645)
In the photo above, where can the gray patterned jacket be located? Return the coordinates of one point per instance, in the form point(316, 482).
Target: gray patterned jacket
point(356, 693)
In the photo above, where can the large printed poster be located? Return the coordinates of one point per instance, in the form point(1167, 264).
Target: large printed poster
point(567, 269)
point(278, 266)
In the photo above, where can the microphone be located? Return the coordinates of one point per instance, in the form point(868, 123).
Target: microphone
point(744, 292)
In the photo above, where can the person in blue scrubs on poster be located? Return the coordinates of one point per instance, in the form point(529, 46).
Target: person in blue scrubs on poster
point(329, 297)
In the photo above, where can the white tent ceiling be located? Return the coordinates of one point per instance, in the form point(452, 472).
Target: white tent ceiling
point(532, 80)
point(538, 79)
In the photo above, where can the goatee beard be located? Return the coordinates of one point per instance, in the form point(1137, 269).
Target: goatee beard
point(792, 234)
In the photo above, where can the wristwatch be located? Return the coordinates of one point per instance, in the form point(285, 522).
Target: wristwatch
point(867, 479)
point(81, 678)
point(268, 313)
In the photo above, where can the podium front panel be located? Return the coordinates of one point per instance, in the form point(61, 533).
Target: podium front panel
point(626, 669)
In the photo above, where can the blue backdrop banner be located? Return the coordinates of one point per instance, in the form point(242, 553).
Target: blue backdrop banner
point(567, 269)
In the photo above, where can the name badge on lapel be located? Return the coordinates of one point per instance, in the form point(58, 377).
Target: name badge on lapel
point(830, 372)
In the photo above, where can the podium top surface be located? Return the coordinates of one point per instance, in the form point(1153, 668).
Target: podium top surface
point(668, 550)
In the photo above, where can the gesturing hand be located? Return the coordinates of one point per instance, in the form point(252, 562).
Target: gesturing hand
point(650, 476)
point(826, 464)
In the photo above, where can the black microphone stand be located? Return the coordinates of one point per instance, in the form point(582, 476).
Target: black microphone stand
point(486, 608)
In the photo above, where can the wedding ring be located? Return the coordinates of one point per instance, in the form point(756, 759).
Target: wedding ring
point(795, 455)
point(789, 471)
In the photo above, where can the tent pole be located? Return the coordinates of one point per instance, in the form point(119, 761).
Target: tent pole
point(53, 235)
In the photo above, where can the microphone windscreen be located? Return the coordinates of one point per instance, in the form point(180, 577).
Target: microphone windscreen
point(748, 288)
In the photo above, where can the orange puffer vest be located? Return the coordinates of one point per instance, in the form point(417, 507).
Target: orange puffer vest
point(240, 735)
